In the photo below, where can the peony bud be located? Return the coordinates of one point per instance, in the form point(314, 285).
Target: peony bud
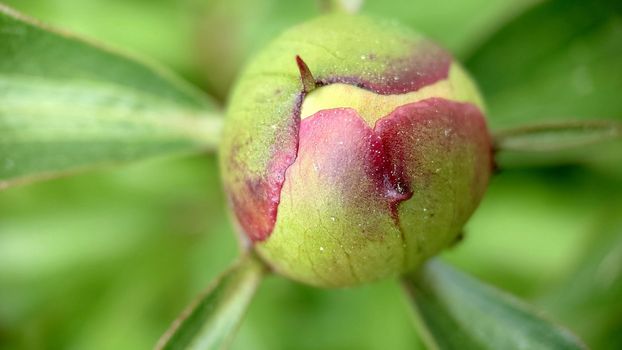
point(360, 158)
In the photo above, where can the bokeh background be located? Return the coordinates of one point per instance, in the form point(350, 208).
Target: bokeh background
point(106, 260)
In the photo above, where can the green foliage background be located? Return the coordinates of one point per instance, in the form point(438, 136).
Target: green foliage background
point(106, 260)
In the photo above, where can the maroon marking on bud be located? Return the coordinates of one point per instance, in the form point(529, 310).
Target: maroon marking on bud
point(458, 124)
point(427, 65)
point(341, 144)
point(256, 205)
point(388, 155)
point(308, 82)
point(343, 148)
point(388, 173)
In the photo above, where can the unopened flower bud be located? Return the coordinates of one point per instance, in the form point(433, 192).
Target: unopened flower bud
point(354, 149)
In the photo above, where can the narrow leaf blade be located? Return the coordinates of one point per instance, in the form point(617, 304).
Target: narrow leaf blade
point(210, 322)
point(67, 105)
point(454, 311)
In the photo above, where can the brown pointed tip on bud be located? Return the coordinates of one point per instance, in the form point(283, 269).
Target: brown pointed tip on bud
point(308, 82)
point(363, 169)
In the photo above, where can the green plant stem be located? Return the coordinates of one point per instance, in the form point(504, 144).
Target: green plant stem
point(553, 143)
point(556, 136)
point(211, 320)
point(347, 6)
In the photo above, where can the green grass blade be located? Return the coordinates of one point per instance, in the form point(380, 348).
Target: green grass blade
point(68, 105)
point(454, 311)
point(210, 322)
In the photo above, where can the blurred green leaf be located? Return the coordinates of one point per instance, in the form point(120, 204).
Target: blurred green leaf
point(250, 25)
point(67, 105)
point(459, 25)
point(532, 225)
point(211, 321)
point(112, 263)
point(454, 311)
point(159, 29)
point(368, 317)
point(554, 143)
point(559, 60)
point(589, 299)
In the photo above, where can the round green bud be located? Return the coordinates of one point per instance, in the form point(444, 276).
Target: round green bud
point(354, 149)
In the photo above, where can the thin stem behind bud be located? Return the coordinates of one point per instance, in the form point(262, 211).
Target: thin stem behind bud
point(347, 6)
point(560, 142)
point(561, 135)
